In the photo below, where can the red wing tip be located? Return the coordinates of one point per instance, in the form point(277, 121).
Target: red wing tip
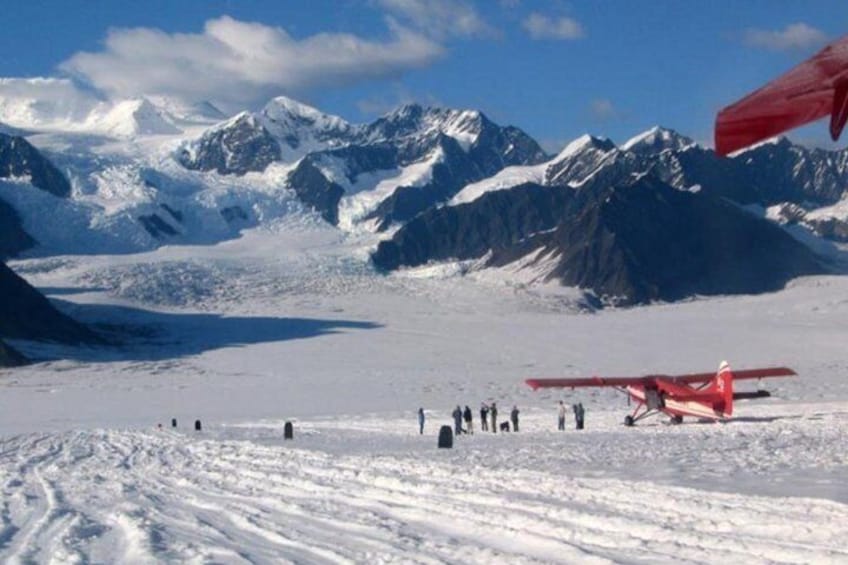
point(532, 383)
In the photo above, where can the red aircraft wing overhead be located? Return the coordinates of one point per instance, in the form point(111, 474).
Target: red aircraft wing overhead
point(651, 380)
point(588, 382)
point(816, 88)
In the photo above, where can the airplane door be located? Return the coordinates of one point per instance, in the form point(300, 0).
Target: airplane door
point(654, 400)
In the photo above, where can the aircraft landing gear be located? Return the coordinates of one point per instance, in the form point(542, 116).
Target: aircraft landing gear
point(628, 420)
point(677, 419)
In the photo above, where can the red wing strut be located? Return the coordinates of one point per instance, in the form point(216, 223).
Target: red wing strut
point(816, 88)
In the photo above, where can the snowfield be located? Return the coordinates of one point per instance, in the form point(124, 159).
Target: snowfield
point(289, 322)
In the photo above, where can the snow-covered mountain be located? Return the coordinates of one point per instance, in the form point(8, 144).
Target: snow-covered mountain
point(506, 219)
point(430, 152)
point(26, 314)
point(144, 172)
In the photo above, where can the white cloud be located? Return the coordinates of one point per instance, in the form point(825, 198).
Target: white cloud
point(238, 63)
point(543, 27)
point(794, 36)
point(43, 101)
point(603, 109)
point(441, 18)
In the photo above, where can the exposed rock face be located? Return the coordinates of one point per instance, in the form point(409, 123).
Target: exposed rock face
point(26, 314)
point(156, 226)
point(10, 358)
point(498, 220)
point(238, 146)
point(629, 243)
point(20, 159)
point(315, 190)
point(472, 147)
point(13, 238)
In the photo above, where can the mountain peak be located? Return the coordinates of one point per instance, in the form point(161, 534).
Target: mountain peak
point(287, 114)
point(778, 142)
point(656, 140)
point(583, 143)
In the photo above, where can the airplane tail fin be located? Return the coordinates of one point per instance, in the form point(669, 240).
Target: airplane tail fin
point(723, 385)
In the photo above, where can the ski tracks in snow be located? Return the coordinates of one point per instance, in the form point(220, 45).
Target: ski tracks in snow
point(138, 496)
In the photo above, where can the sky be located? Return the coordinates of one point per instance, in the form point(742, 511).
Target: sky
point(556, 69)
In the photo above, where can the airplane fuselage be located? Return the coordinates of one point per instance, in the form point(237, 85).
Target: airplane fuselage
point(679, 400)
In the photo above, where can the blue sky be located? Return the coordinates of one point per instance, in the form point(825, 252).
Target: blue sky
point(556, 69)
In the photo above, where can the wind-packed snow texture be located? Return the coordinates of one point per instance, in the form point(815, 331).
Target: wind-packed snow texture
point(290, 323)
point(279, 316)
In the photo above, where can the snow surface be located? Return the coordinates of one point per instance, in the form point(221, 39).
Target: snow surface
point(289, 322)
point(370, 189)
point(505, 179)
point(658, 136)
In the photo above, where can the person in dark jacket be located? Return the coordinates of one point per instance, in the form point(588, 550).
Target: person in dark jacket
point(484, 417)
point(514, 417)
point(469, 425)
point(421, 421)
point(457, 420)
point(493, 410)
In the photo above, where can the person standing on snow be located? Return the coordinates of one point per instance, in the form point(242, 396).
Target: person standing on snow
point(484, 417)
point(514, 417)
point(561, 417)
point(469, 425)
point(421, 421)
point(457, 420)
point(493, 410)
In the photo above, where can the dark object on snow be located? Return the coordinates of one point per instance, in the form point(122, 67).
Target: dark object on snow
point(197, 426)
point(457, 420)
point(513, 416)
point(173, 422)
point(579, 414)
point(504, 426)
point(445, 437)
point(288, 431)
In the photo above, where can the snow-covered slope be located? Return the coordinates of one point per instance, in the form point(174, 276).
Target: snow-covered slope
point(129, 118)
point(250, 333)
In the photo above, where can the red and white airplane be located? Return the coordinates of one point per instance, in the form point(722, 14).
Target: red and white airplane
point(701, 395)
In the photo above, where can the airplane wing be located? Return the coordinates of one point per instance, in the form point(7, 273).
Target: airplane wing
point(816, 88)
point(589, 382)
point(649, 380)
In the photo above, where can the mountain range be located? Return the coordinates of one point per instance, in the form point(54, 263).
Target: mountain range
point(656, 218)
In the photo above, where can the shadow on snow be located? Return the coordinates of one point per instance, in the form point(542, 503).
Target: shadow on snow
point(136, 334)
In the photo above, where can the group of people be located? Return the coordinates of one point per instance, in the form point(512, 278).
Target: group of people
point(579, 415)
point(488, 413)
point(489, 418)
